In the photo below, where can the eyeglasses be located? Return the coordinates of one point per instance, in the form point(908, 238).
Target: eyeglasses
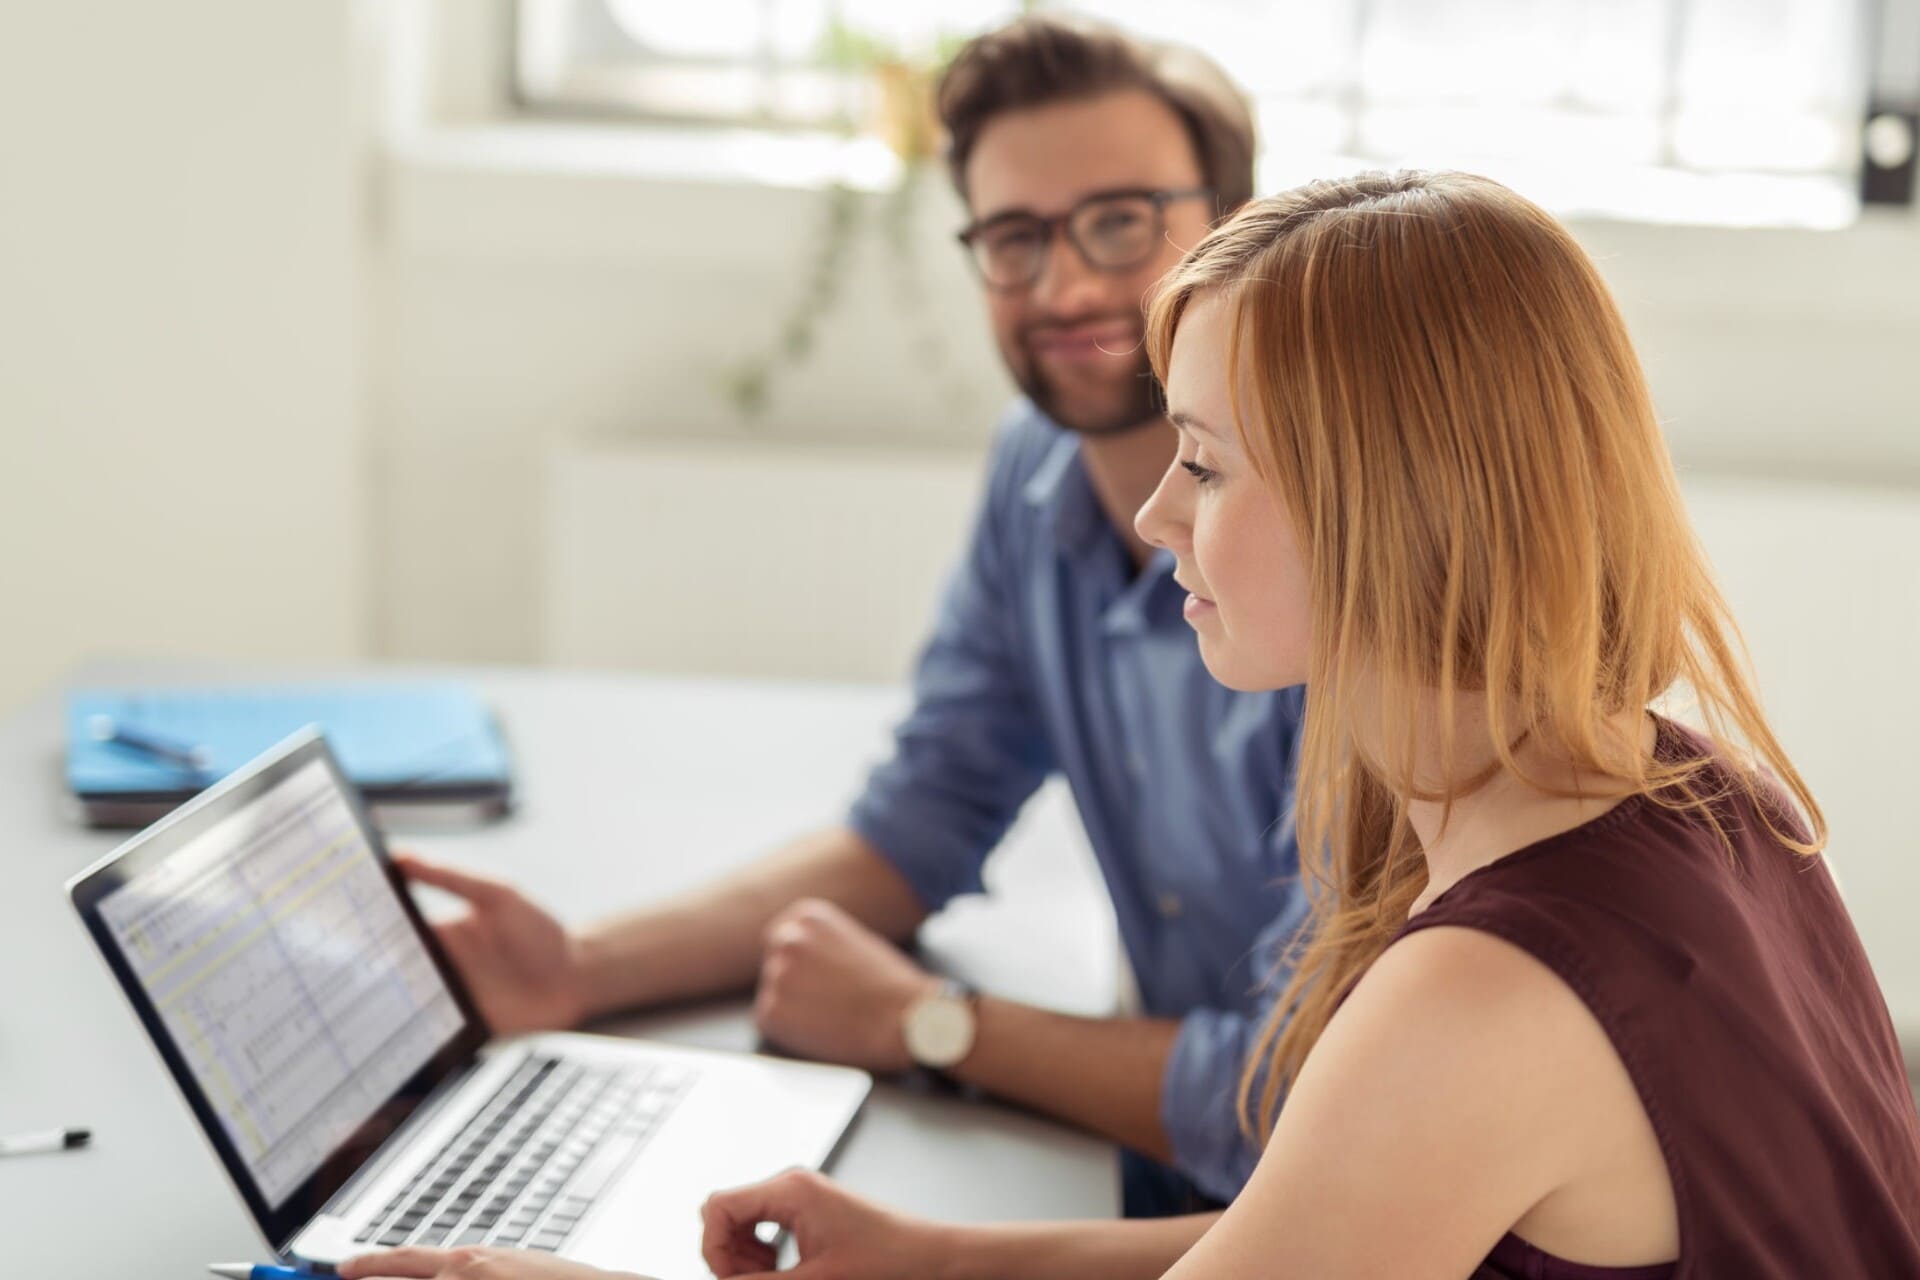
point(1111, 231)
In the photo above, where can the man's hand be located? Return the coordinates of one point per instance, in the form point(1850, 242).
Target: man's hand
point(523, 967)
point(470, 1264)
point(838, 1234)
point(832, 989)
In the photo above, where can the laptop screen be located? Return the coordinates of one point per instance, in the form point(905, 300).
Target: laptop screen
point(288, 981)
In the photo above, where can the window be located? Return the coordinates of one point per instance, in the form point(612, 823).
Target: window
point(1705, 110)
point(779, 63)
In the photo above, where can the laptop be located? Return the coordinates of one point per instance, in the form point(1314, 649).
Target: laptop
point(342, 1076)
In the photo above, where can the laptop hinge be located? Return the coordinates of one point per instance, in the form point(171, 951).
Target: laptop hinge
point(342, 1202)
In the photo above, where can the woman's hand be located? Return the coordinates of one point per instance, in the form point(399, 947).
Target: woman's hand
point(838, 1234)
point(471, 1264)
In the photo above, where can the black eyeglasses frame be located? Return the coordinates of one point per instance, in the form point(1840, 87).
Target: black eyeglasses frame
point(1061, 224)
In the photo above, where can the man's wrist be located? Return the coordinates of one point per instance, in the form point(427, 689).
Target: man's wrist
point(962, 1252)
point(595, 975)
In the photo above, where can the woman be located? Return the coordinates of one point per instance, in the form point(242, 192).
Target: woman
point(1580, 999)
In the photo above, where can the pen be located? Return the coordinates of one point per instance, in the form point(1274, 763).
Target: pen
point(261, 1271)
point(106, 729)
point(26, 1144)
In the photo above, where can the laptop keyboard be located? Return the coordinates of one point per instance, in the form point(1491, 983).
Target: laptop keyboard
point(534, 1159)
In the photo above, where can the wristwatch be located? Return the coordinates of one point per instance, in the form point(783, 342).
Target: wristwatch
point(939, 1028)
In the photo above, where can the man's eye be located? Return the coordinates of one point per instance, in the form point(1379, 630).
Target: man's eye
point(1012, 240)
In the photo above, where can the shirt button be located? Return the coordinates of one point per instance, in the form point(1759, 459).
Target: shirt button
point(1169, 904)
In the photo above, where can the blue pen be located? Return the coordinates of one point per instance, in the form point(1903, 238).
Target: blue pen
point(106, 729)
point(262, 1271)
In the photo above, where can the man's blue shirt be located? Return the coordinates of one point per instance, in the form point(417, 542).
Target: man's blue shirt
point(1050, 652)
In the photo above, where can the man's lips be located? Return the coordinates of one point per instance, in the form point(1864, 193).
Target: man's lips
point(1086, 341)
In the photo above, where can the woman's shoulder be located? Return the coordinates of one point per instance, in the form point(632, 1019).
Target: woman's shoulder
point(1457, 971)
point(1479, 1066)
point(1478, 1012)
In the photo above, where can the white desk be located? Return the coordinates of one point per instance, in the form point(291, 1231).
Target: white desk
point(630, 788)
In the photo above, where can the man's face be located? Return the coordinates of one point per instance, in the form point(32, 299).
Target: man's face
point(1072, 339)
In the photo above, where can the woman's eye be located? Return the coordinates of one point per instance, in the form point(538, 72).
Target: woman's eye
point(1198, 472)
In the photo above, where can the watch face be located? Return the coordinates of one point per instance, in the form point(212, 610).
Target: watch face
point(939, 1031)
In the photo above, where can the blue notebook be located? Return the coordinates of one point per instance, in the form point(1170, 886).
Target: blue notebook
point(400, 742)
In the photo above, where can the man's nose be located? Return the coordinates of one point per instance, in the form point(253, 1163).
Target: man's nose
point(1067, 285)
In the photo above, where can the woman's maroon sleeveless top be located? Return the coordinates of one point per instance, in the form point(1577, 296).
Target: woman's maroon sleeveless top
point(1736, 991)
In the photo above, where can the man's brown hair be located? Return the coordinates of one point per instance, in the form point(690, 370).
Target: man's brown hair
point(1034, 61)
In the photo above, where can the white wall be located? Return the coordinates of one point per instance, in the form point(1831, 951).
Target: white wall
point(785, 561)
point(529, 305)
point(179, 371)
point(1825, 582)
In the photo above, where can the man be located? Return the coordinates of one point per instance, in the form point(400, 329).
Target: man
point(1088, 162)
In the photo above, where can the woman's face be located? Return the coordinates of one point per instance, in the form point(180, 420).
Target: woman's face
point(1237, 550)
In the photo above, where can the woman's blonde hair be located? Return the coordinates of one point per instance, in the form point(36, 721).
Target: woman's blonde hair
point(1433, 378)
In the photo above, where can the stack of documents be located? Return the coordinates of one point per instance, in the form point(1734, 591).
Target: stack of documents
point(414, 749)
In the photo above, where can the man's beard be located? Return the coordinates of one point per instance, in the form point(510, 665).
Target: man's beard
point(1136, 406)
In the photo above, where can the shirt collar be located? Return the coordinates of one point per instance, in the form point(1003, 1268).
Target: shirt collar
point(1151, 602)
point(1059, 486)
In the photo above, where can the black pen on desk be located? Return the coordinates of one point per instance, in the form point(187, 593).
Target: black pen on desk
point(107, 729)
point(27, 1144)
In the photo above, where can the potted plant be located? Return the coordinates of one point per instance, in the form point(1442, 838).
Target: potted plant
point(899, 85)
